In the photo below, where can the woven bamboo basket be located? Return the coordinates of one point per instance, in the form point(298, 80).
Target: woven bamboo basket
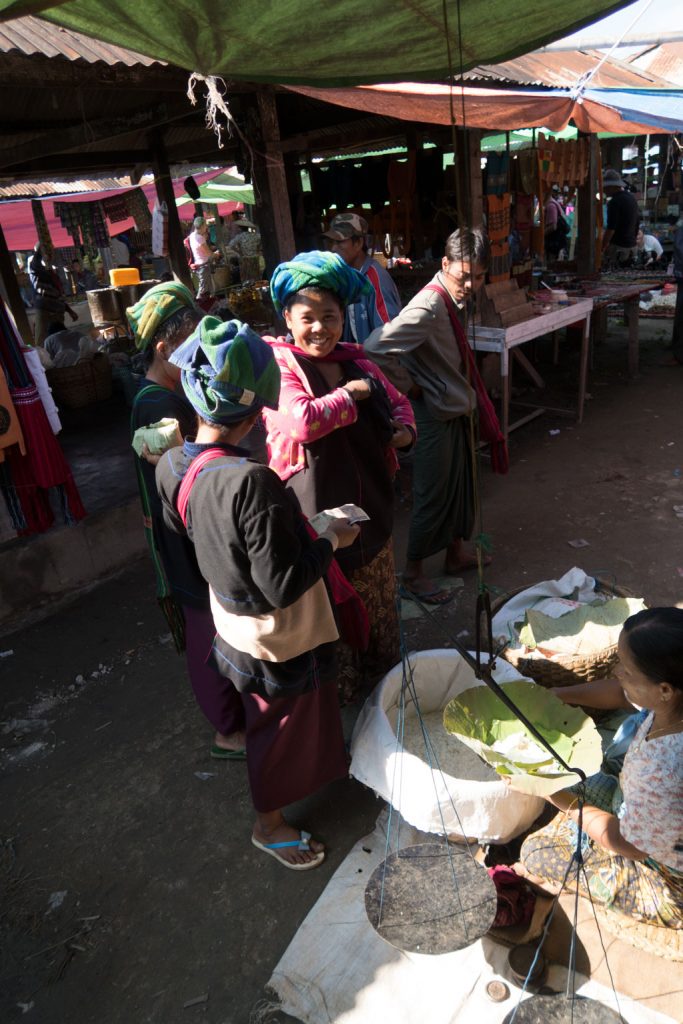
point(566, 670)
point(664, 942)
point(105, 306)
point(83, 384)
point(222, 277)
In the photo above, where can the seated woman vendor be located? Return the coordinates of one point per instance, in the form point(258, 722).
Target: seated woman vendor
point(634, 859)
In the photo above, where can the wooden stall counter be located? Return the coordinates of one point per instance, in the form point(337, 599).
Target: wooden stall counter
point(505, 342)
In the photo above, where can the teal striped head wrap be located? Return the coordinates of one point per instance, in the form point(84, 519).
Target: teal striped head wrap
point(228, 372)
point(317, 270)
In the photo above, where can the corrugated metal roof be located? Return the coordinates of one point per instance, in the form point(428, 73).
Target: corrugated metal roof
point(665, 60)
point(563, 69)
point(31, 35)
point(34, 189)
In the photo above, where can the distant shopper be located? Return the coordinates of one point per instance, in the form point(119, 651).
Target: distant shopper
point(347, 234)
point(202, 255)
point(84, 279)
point(49, 302)
point(556, 224)
point(649, 248)
point(619, 243)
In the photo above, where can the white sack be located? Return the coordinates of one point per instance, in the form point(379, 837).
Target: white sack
point(488, 811)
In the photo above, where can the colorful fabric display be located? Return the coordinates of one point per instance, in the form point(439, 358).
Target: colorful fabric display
point(26, 477)
point(10, 431)
point(497, 167)
point(499, 263)
point(138, 209)
point(116, 208)
point(498, 208)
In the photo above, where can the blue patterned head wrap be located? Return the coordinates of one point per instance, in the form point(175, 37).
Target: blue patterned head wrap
point(228, 371)
point(317, 270)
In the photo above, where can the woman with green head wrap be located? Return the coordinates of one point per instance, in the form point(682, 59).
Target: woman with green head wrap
point(275, 628)
point(161, 320)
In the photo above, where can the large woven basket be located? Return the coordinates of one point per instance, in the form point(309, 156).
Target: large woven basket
point(565, 670)
point(83, 384)
point(664, 942)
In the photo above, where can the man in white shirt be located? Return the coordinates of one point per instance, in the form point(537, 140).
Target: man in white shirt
point(202, 254)
point(649, 248)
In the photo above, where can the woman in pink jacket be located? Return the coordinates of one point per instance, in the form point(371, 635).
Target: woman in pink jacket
point(333, 440)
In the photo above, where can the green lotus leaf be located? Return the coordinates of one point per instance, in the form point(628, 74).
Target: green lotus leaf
point(482, 721)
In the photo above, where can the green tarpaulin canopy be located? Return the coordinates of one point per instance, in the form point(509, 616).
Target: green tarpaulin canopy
point(224, 188)
point(347, 42)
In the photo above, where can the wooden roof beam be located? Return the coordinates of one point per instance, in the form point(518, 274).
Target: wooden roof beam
point(62, 141)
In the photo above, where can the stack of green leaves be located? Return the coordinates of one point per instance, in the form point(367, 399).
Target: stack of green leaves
point(485, 724)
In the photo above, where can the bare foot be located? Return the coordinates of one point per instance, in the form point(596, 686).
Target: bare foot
point(284, 833)
point(235, 741)
point(466, 562)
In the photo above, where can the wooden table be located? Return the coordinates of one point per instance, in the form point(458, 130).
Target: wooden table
point(505, 341)
point(606, 293)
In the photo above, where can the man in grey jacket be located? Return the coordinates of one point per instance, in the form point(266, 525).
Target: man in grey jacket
point(419, 353)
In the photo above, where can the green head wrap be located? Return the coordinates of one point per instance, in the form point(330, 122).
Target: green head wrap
point(155, 307)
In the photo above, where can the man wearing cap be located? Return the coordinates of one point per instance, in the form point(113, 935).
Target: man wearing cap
point(556, 226)
point(347, 234)
point(619, 240)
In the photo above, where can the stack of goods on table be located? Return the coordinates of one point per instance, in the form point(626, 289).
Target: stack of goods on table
point(251, 303)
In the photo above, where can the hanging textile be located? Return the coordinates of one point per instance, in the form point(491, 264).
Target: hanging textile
point(497, 166)
point(10, 431)
point(42, 230)
point(138, 208)
point(85, 222)
point(499, 263)
point(116, 208)
point(26, 478)
point(498, 211)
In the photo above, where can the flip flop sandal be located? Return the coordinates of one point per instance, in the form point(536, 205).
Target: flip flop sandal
point(436, 596)
point(221, 754)
point(302, 843)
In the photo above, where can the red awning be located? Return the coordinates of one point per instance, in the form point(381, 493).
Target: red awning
point(473, 107)
point(20, 233)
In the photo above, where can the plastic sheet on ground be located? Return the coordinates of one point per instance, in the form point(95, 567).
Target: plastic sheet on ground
point(426, 797)
point(337, 970)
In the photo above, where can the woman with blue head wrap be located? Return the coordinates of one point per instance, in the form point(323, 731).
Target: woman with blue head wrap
point(334, 437)
point(274, 625)
point(161, 321)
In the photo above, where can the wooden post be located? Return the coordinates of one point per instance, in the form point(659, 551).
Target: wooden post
point(273, 210)
point(468, 170)
point(9, 288)
point(587, 261)
point(165, 194)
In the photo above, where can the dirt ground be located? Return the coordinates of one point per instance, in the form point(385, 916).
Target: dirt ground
point(128, 886)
